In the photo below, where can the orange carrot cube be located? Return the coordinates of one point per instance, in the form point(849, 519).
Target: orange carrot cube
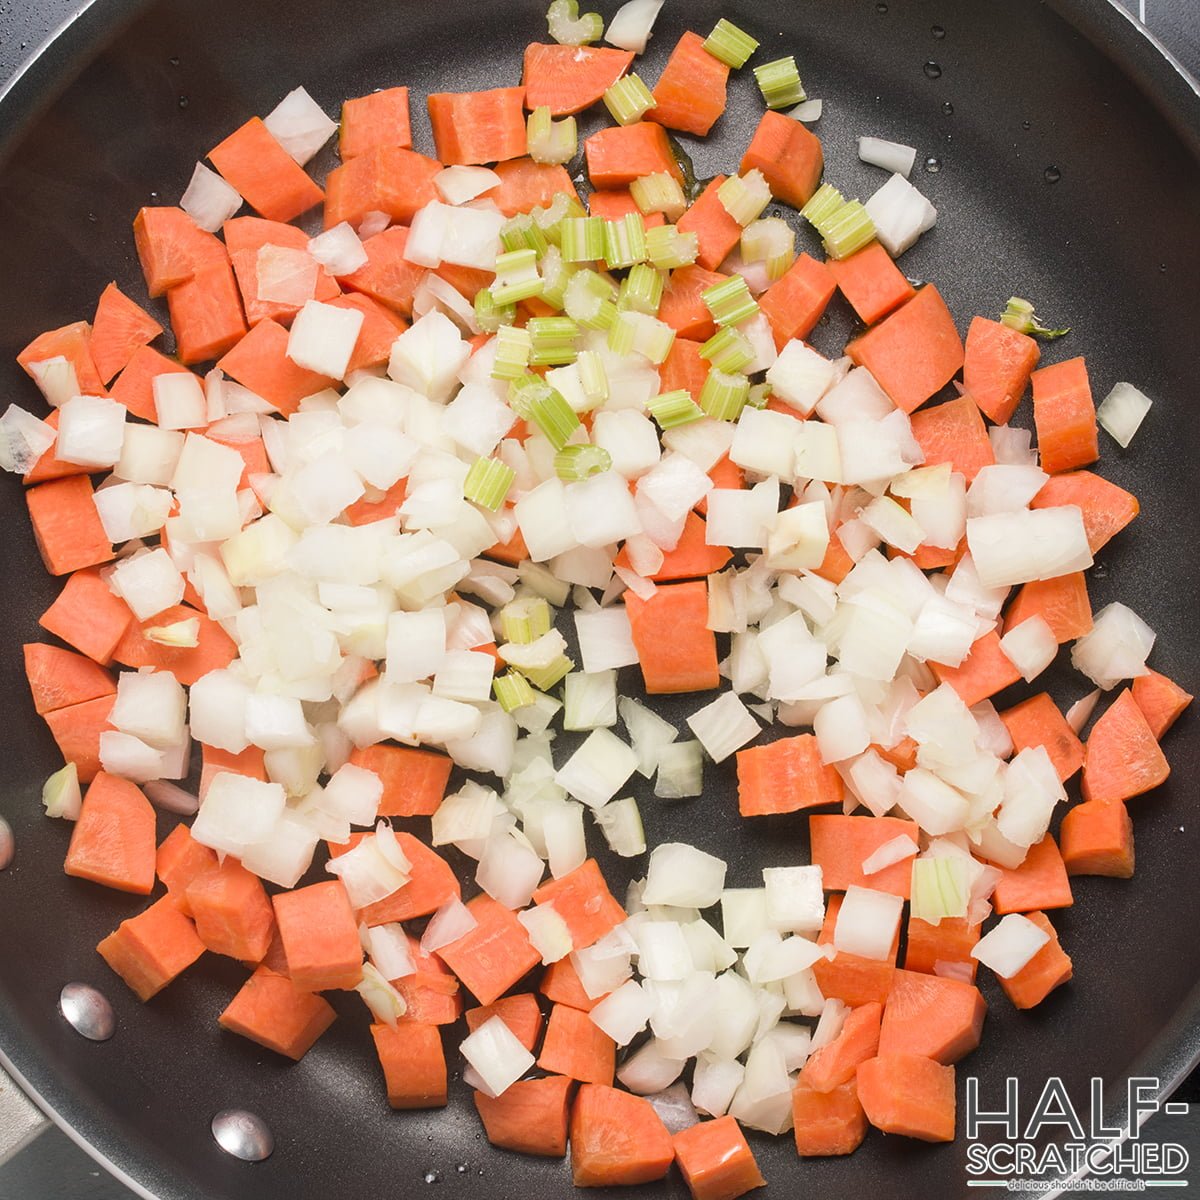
point(272, 1011)
point(151, 949)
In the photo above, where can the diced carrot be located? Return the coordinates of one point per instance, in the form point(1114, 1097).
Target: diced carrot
point(268, 178)
point(871, 282)
point(245, 237)
point(692, 557)
point(388, 179)
point(1097, 839)
point(676, 649)
point(119, 327)
point(836, 564)
point(682, 308)
point(478, 127)
point(1161, 700)
point(1039, 882)
point(577, 1048)
point(619, 155)
point(151, 949)
point(206, 314)
point(172, 247)
point(377, 119)
point(1106, 508)
point(616, 203)
point(431, 884)
point(525, 185)
point(796, 302)
point(1121, 757)
point(690, 92)
point(617, 1139)
point(784, 776)
point(849, 977)
point(902, 756)
point(214, 648)
point(568, 79)
point(320, 936)
point(560, 985)
point(520, 1013)
point(251, 762)
point(66, 525)
point(950, 941)
point(909, 1095)
point(913, 353)
point(985, 671)
point(260, 362)
point(529, 1117)
point(48, 466)
point(113, 841)
point(1049, 968)
point(789, 156)
point(514, 552)
point(836, 1062)
point(1038, 722)
point(77, 731)
point(716, 231)
point(414, 781)
point(134, 387)
point(1061, 602)
point(387, 277)
point(714, 1158)
point(232, 912)
point(413, 1062)
point(840, 843)
point(1065, 416)
point(72, 342)
point(58, 678)
point(252, 450)
point(997, 367)
point(582, 899)
point(684, 368)
point(271, 1010)
point(954, 433)
point(380, 328)
point(928, 558)
point(827, 1123)
point(492, 956)
point(365, 512)
point(431, 993)
point(179, 859)
point(933, 1016)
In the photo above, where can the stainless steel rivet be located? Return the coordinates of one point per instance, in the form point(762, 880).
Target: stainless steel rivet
point(87, 1012)
point(6, 843)
point(242, 1134)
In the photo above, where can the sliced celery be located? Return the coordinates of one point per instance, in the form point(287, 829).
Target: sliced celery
point(641, 290)
point(723, 396)
point(728, 350)
point(1019, 315)
point(624, 241)
point(513, 347)
point(733, 46)
point(674, 408)
point(669, 248)
point(730, 301)
point(517, 276)
point(779, 82)
point(550, 141)
point(487, 483)
point(744, 196)
point(568, 28)
point(661, 193)
point(512, 691)
point(582, 239)
point(629, 99)
point(574, 463)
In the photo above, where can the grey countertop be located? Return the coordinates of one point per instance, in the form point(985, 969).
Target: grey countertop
point(51, 1167)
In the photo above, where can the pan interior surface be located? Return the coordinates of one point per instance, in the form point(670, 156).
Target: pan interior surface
point(1055, 178)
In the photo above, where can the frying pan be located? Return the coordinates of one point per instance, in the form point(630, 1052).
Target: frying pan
point(1112, 248)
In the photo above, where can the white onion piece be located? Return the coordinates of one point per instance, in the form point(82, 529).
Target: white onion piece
point(650, 1069)
point(1031, 647)
point(1018, 547)
point(299, 125)
point(893, 851)
point(630, 28)
point(1115, 648)
point(900, 213)
point(452, 921)
point(624, 1013)
point(1122, 412)
point(1009, 947)
point(338, 250)
point(457, 185)
point(724, 726)
point(1081, 711)
point(891, 156)
point(209, 200)
point(548, 932)
point(389, 950)
point(495, 1053)
point(867, 923)
point(808, 111)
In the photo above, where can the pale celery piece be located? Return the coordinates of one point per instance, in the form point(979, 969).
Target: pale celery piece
point(730, 301)
point(576, 463)
point(550, 141)
point(512, 691)
point(548, 410)
point(723, 396)
point(517, 277)
point(844, 225)
point(593, 377)
point(669, 248)
point(745, 196)
point(728, 350)
point(629, 99)
point(513, 347)
point(487, 483)
point(771, 241)
point(521, 232)
point(582, 239)
point(624, 241)
point(568, 28)
point(641, 290)
point(1019, 315)
point(674, 408)
point(553, 341)
point(733, 46)
point(661, 193)
point(779, 82)
point(525, 619)
point(939, 888)
point(489, 315)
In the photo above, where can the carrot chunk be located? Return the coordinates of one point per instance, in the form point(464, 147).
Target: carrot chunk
point(380, 328)
point(786, 775)
point(271, 1010)
point(431, 993)
point(950, 941)
point(244, 238)
point(582, 899)
point(684, 368)
point(268, 178)
point(1121, 758)
point(520, 1013)
point(716, 231)
point(77, 729)
point(840, 844)
point(932, 1016)
point(617, 1139)
point(66, 525)
point(431, 884)
point(525, 184)
point(172, 247)
point(387, 277)
point(113, 841)
point(413, 1062)
point(789, 156)
point(1062, 603)
point(214, 648)
point(985, 671)
point(1097, 839)
point(676, 649)
point(119, 327)
point(414, 781)
point(478, 127)
point(320, 936)
point(913, 353)
point(206, 314)
point(232, 912)
point(682, 307)
point(796, 302)
point(577, 1048)
point(180, 858)
point(151, 949)
point(568, 79)
point(388, 179)
point(1038, 722)
point(1161, 700)
point(59, 678)
point(611, 206)
point(909, 1095)
point(623, 153)
point(692, 558)
point(997, 367)
point(849, 977)
point(1049, 968)
point(871, 282)
point(690, 92)
point(250, 762)
point(827, 1123)
point(134, 387)
point(259, 362)
point(1065, 416)
point(837, 1062)
point(530, 1117)
point(492, 956)
point(378, 119)
point(1106, 508)
point(1039, 882)
point(560, 985)
point(72, 342)
point(954, 433)
point(715, 1160)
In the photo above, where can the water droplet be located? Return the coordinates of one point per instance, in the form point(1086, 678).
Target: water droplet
point(461, 1168)
point(1100, 570)
point(948, 108)
point(1052, 174)
point(1026, 125)
point(1162, 267)
point(932, 70)
point(933, 165)
point(881, 7)
point(432, 1177)
point(878, 100)
point(173, 61)
point(183, 102)
point(153, 195)
point(93, 218)
point(938, 32)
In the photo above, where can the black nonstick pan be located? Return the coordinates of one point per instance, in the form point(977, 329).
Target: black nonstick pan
point(1063, 153)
